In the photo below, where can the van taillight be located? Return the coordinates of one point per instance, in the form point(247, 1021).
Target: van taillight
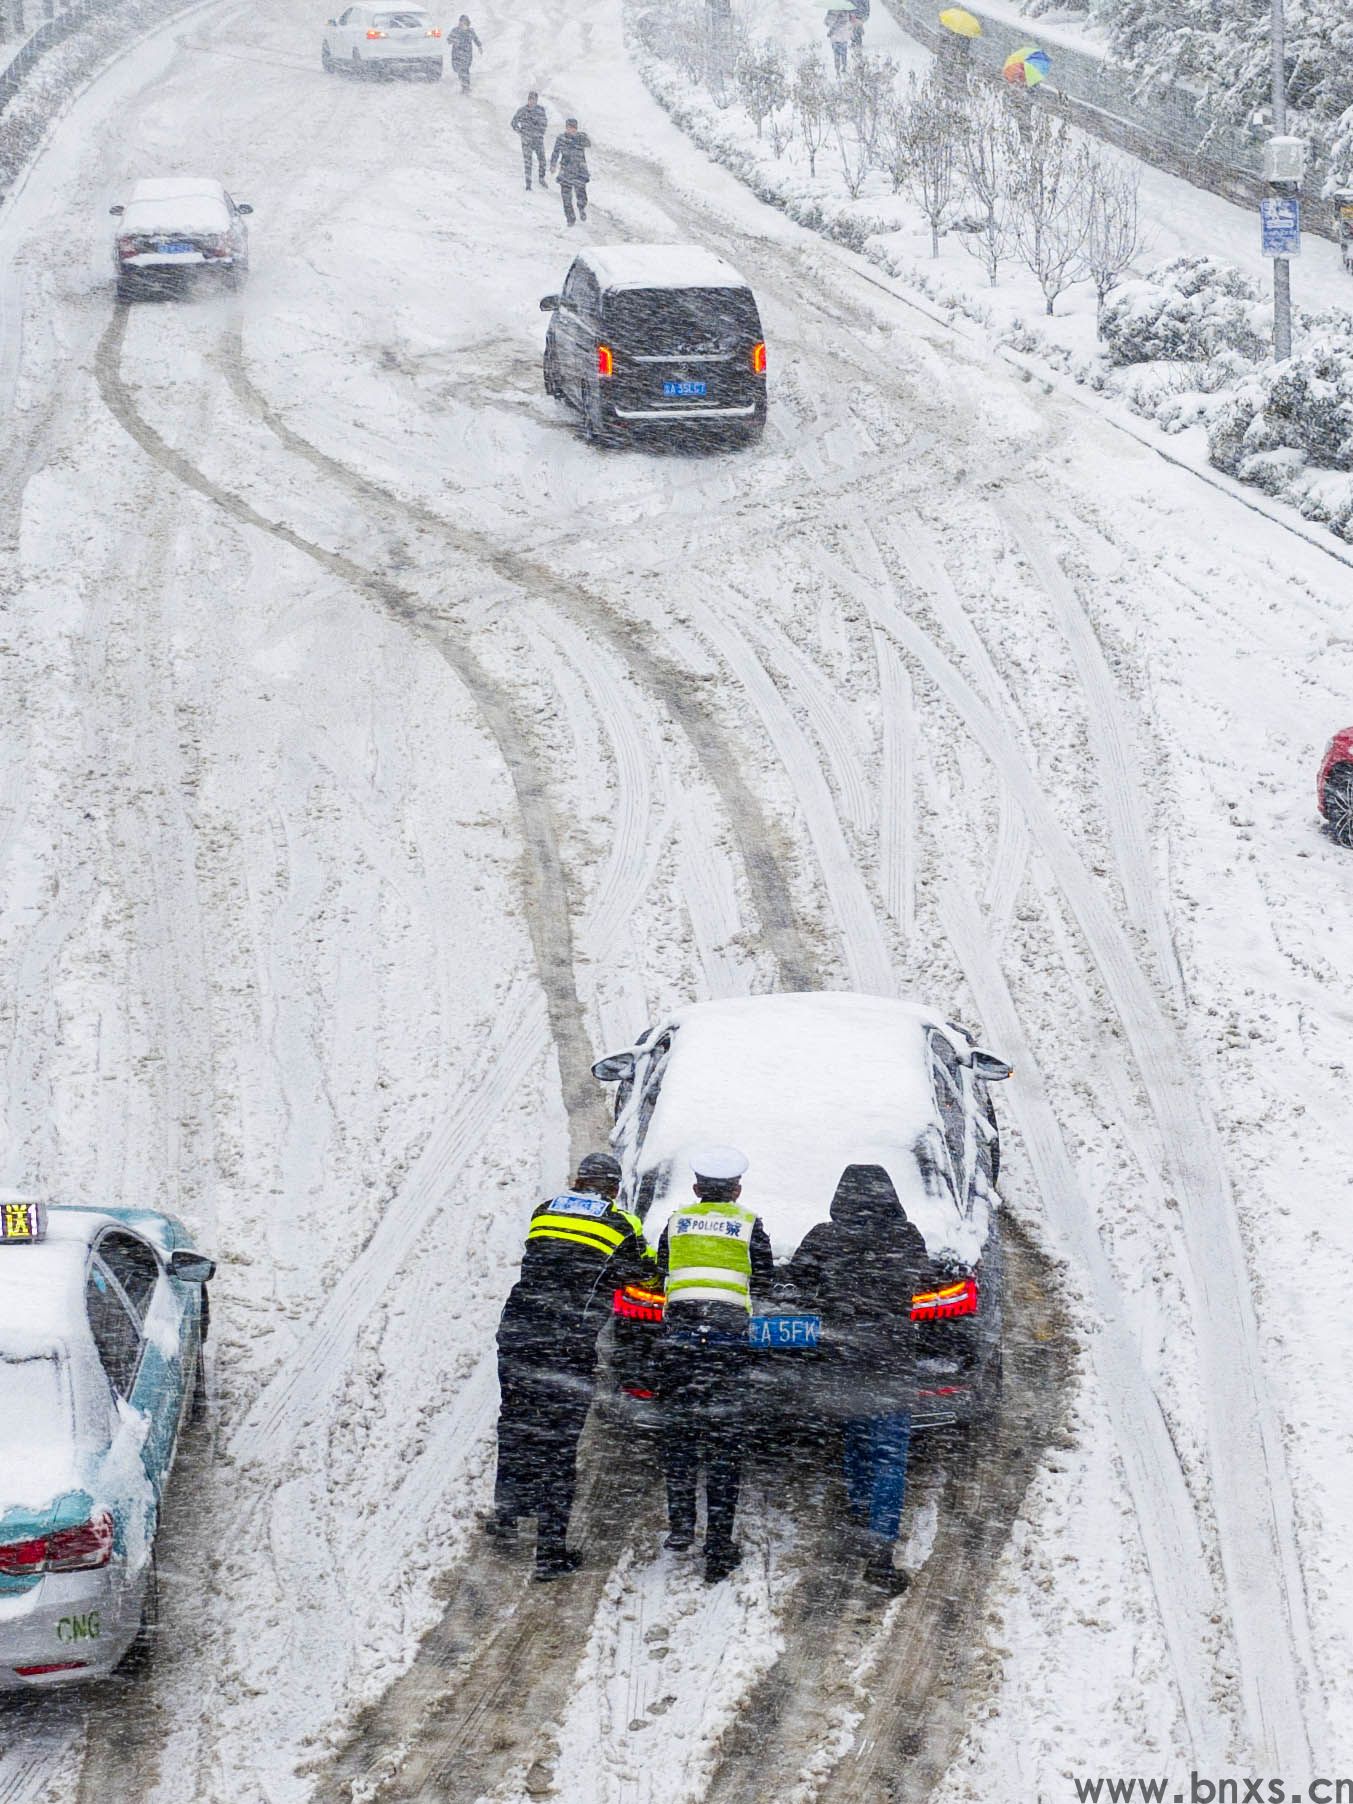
point(941, 1305)
point(759, 358)
point(605, 360)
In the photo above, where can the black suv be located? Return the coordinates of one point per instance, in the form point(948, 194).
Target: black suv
point(657, 335)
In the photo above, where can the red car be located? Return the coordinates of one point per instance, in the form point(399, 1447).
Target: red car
point(1334, 790)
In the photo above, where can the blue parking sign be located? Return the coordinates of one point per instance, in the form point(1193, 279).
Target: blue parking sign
point(1280, 225)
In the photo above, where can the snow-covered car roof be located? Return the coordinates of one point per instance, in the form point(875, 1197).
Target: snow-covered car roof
point(618, 266)
point(805, 1084)
point(177, 203)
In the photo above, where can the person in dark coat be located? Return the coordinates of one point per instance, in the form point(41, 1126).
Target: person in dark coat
point(861, 1270)
point(464, 42)
point(578, 1247)
point(529, 124)
point(569, 157)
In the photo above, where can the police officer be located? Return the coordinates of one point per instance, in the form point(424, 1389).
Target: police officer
point(713, 1252)
point(578, 1246)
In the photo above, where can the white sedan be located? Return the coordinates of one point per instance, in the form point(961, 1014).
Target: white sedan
point(382, 39)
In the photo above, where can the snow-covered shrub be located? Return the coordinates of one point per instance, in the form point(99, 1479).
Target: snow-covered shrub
point(1302, 405)
point(1185, 310)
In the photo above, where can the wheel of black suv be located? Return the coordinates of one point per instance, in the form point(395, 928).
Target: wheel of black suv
point(1339, 804)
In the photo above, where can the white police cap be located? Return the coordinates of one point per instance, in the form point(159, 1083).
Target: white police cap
point(721, 1163)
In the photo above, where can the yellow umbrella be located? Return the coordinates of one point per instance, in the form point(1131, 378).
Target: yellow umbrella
point(955, 19)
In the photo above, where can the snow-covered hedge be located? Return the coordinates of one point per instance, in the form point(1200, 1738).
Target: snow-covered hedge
point(1187, 310)
point(1304, 405)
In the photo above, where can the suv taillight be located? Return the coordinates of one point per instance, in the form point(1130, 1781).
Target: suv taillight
point(79, 1549)
point(375, 34)
point(605, 360)
point(126, 247)
point(759, 358)
point(434, 31)
point(638, 1304)
point(950, 1300)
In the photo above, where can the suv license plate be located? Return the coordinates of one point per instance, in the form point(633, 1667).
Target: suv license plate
point(176, 248)
point(684, 389)
point(784, 1330)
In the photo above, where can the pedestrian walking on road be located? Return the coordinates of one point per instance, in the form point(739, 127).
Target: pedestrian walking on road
point(569, 157)
point(861, 1270)
point(529, 124)
point(840, 28)
point(711, 1254)
point(464, 43)
point(578, 1247)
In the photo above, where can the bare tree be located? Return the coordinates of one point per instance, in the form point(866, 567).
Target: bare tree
point(857, 106)
point(987, 148)
point(934, 128)
point(1112, 236)
point(895, 143)
point(811, 109)
point(762, 81)
point(1047, 209)
point(781, 123)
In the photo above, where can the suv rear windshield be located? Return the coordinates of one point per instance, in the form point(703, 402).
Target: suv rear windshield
point(652, 322)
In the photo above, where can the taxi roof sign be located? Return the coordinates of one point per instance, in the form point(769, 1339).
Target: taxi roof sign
point(22, 1221)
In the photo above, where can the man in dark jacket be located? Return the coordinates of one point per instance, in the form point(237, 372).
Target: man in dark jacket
point(464, 42)
point(529, 124)
point(578, 1247)
point(569, 157)
point(861, 1270)
point(714, 1254)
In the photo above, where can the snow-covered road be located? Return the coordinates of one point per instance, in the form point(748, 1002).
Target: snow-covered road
point(379, 753)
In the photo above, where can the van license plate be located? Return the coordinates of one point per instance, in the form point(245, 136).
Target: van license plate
point(694, 389)
point(784, 1330)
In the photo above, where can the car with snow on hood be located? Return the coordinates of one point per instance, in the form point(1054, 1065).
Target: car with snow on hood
point(103, 1318)
point(174, 228)
point(807, 1086)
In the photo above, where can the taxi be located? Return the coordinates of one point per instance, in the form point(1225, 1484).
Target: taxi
point(103, 1319)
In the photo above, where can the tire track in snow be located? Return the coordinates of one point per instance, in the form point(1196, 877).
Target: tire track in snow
point(778, 926)
point(1250, 1491)
point(545, 889)
point(1108, 740)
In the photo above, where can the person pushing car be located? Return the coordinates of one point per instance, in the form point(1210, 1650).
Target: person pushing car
point(569, 156)
point(861, 1269)
point(578, 1245)
point(712, 1253)
point(529, 123)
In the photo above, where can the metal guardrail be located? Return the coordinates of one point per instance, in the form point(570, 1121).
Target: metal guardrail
point(1169, 129)
point(51, 31)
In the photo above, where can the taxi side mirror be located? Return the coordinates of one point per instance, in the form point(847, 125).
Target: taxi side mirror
point(191, 1268)
point(987, 1067)
point(614, 1070)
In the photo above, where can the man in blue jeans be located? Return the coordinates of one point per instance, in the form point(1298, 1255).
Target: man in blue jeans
point(862, 1269)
